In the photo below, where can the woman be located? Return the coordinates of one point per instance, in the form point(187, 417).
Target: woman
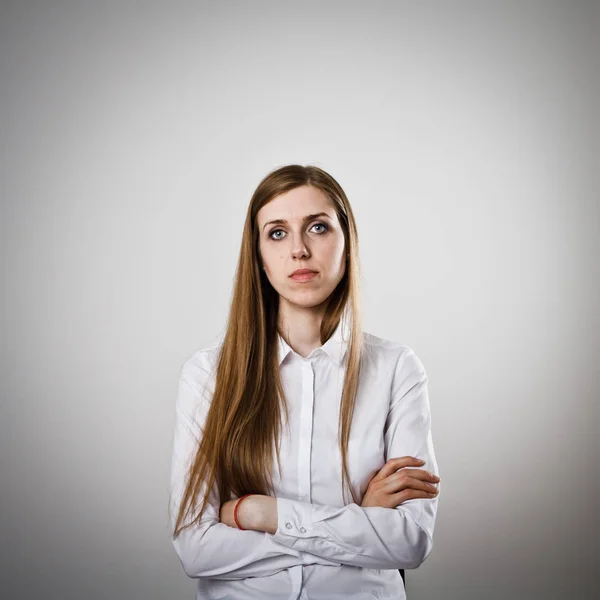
point(346, 414)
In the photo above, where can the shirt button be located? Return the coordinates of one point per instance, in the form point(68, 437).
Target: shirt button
point(288, 525)
point(302, 530)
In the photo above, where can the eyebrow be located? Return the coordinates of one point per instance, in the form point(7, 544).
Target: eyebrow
point(307, 218)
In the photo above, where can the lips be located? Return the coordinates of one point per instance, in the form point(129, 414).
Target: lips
point(302, 272)
point(303, 275)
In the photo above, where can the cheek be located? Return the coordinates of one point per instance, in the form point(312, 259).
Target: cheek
point(271, 259)
point(335, 250)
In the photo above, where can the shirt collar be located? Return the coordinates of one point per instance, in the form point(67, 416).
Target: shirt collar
point(335, 347)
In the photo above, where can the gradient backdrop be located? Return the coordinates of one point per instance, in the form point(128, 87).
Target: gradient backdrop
point(133, 135)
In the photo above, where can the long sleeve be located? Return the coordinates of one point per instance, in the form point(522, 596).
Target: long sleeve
point(211, 548)
point(376, 537)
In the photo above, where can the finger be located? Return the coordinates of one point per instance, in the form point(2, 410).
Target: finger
point(417, 474)
point(411, 494)
point(393, 464)
point(396, 484)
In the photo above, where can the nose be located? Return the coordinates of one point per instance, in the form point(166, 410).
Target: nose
point(300, 251)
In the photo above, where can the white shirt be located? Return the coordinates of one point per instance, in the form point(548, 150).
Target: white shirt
point(322, 549)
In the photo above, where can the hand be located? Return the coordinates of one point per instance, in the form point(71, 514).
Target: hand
point(390, 488)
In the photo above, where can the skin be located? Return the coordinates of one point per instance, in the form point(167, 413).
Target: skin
point(316, 244)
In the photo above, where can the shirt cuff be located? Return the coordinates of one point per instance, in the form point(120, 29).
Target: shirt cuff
point(294, 520)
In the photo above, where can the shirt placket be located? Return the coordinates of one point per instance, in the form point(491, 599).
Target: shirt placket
point(304, 458)
point(305, 437)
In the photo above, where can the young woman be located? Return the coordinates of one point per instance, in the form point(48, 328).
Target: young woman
point(303, 463)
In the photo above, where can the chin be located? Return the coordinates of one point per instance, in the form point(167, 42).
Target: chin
point(307, 300)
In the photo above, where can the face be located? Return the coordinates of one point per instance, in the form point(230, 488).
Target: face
point(316, 243)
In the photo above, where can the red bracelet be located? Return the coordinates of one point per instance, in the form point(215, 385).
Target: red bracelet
point(235, 512)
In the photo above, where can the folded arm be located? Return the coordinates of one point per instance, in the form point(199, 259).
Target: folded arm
point(375, 537)
point(211, 548)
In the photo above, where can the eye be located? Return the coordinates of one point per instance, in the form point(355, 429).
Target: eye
point(321, 225)
point(276, 239)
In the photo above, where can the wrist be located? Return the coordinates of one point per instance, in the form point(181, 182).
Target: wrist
point(268, 514)
point(248, 513)
point(258, 513)
point(240, 512)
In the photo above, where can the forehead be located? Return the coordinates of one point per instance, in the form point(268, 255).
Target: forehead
point(296, 204)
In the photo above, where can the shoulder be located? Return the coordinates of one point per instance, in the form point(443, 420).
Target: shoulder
point(408, 378)
point(397, 354)
point(200, 366)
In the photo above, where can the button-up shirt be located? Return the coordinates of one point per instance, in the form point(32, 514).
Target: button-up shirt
point(323, 548)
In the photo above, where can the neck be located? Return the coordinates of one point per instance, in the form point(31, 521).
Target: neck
point(301, 327)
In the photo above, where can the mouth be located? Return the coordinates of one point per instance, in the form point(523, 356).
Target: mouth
point(304, 275)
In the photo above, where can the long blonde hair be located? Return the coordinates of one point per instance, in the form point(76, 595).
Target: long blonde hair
point(244, 418)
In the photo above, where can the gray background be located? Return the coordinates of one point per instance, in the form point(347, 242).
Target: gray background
point(133, 135)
